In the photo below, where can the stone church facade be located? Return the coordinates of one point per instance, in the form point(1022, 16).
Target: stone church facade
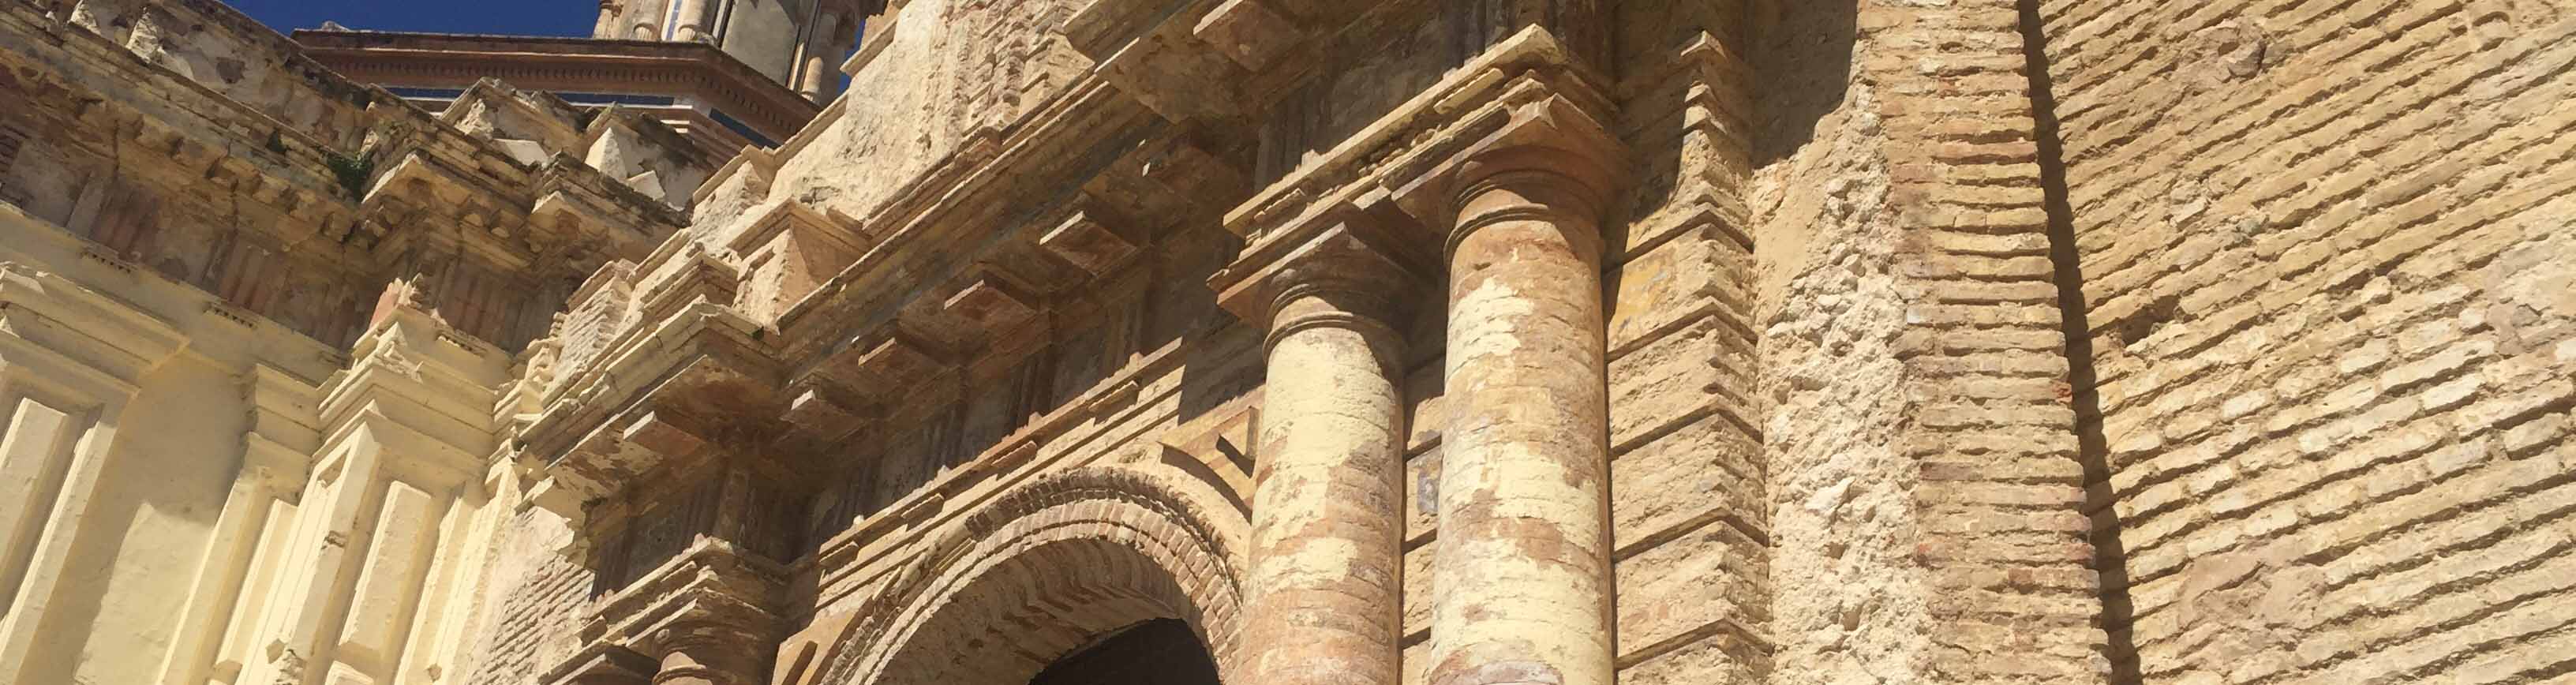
point(1313, 342)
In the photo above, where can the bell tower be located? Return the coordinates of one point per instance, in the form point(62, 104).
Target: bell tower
point(798, 43)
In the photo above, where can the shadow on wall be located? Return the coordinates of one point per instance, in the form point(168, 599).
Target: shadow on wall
point(1804, 58)
point(2110, 552)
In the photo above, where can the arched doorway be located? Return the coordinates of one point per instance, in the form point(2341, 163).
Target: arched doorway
point(1083, 573)
point(1157, 652)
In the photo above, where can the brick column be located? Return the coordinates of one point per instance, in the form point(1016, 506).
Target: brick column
point(1327, 513)
point(1521, 584)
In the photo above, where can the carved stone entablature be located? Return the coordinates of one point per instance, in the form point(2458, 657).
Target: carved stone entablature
point(704, 78)
point(1085, 242)
point(715, 607)
point(313, 189)
point(682, 274)
point(990, 304)
point(819, 414)
point(603, 663)
point(867, 333)
point(1217, 61)
point(528, 125)
point(560, 210)
point(413, 369)
point(1351, 254)
point(1379, 204)
point(699, 379)
point(584, 218)
point(1527, 90)
point(788, 251)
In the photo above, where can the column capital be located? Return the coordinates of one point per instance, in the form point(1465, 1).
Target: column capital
point(708, 651)
point(1342, 259)
point(1553, 158)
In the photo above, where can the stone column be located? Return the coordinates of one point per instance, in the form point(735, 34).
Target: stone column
point(691, 24)
point(606, 26)
point(1327, 513)
point(821, 47)
point(1521, 584)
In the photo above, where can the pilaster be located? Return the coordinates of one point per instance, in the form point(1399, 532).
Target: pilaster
point(70, 361)
point(386, 542)
point(245, 556)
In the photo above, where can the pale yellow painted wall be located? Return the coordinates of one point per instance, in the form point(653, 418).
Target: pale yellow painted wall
point(140, 542)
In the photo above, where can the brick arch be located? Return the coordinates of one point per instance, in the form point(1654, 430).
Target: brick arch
point(1049, 569)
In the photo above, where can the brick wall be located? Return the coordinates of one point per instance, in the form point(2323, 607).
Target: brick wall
point(536, 597)
point(2326, 277)
point(2013, 594)
point(1924, 468)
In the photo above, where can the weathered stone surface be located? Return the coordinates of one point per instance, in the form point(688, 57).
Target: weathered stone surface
point(1488, 342)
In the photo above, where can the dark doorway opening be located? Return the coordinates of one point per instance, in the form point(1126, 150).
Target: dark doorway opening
point(1157, 652)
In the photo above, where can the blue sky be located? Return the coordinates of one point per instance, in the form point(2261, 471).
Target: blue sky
point(516, 17)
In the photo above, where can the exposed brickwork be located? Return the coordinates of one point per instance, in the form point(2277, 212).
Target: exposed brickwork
point(2013, 596)
point(1923, 443)
point(2327, 278)
point(1474, 342)
point(535, 599)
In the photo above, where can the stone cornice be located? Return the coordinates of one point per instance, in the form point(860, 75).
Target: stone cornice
point(785, 216)
point(536, 107)
point(957, 199)
point(1525, 105)
point(189, 311)
point(310, 195)
point(272, 165)
point(565, 64)
point(107, 343)
point(701, 377)
point(1351, 252)
point(1218, 63)
point(1424, 134)
point(713, 583)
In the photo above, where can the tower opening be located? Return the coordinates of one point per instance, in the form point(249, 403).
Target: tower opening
point(1157, 652)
